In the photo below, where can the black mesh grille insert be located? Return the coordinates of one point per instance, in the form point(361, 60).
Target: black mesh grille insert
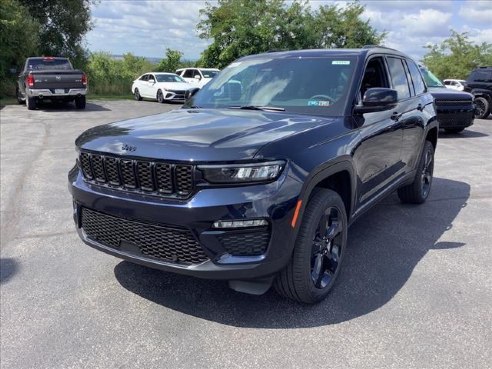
point(156, 178)
point(245, 244)
point(156, 241)
point(184, 182)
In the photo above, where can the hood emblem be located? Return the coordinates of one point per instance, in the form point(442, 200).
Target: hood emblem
point(127, 147)
point(58, 78)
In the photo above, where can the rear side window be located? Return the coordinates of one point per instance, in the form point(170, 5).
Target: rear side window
point(418, 82)
point(145, 77)
point(399, 77)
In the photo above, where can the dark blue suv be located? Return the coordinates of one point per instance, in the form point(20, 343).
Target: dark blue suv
point(257, 178)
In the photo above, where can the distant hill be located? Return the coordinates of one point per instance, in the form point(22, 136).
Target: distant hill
point(149, 59)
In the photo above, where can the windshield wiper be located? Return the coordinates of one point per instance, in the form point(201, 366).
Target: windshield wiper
point(256, 107)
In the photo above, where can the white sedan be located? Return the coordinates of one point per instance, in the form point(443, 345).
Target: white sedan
point(161, 87)
point(455, 84)
point(198, 77)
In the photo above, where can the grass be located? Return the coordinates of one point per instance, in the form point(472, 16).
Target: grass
point(7, 100)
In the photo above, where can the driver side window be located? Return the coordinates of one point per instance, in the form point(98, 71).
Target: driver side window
point(374, 75)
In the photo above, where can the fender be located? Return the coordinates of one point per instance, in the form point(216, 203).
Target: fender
point(480, 92)
point(317, 175)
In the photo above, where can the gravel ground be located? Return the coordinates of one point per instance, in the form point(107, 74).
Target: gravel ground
point(415, 291)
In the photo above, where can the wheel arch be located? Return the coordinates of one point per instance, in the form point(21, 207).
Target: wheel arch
point(432, 136)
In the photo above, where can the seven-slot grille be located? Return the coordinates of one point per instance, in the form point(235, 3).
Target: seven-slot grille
point(156, 178)
point(151, 240)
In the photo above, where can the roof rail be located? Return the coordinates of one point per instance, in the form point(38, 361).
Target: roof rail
point(377, 46)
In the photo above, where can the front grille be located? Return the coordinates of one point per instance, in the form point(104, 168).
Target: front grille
point(165, 243)
point(179, 94)
point(164, 179)
point(245, 244)
point(453, 102)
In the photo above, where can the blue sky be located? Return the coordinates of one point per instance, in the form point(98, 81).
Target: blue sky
point(147, 28)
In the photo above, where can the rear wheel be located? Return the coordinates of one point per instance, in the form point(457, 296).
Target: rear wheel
point(31, 103)
point(418, 191)
point(20, 100)
point(482, 108)
point(318, 251)
point(80, 102)
point(136, 95)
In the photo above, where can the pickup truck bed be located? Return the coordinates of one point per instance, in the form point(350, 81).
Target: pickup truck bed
point(51, 79)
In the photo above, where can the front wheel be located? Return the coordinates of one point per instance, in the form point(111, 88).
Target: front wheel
point(482, 108)
point(160, 97)
point(418, 191)
point(318, 251)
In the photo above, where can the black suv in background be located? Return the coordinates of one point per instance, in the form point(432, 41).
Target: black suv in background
point(479, 83)
point(455, 109)
point(257, 179)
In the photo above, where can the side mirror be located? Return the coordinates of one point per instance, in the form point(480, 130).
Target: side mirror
point(197, 76)
point(377, 99)
point(191, 92)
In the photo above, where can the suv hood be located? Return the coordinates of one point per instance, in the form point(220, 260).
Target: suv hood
point(197, 135)
point(443, 93)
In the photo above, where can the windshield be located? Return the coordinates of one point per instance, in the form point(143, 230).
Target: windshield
point(209, 73)
point(49, 64)
point(169, 78)
point(307, 85)
point(430, 79)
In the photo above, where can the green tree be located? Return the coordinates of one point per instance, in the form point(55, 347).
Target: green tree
point(243, 27)
point(171, 62)
point(64, 24)
point(457, 56)
point(18, 39)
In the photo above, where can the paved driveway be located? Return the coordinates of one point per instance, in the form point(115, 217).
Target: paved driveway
point(415, 291)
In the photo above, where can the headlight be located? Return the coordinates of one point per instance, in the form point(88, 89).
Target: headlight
point(242, 173)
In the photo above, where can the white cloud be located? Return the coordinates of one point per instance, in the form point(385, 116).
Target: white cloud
point(477, 12)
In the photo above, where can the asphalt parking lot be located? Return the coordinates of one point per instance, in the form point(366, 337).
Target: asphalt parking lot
point(415, 291)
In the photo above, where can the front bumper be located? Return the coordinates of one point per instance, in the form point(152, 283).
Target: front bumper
point(274, 202)
point(50, 93)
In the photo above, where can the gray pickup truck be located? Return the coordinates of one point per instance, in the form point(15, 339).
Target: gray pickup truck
point(51, 78)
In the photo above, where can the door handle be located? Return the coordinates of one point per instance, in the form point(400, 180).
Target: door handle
point(420, 107)
point(395, 116)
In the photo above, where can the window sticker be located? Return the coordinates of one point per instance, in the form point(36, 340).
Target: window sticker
point(318, 103)
point(340, 62)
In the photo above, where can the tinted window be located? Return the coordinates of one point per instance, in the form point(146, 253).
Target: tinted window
point(145, 77)
point(189, 73)
point(310, 85)
point(399, 77)
point(418, 82)
point(169, 78)
point(151, 78)
point(481, 76)
point(209, 73)
point(48, 64)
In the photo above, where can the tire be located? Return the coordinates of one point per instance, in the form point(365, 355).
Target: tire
point(80, 102)
point(136, 95)
point(31, 103)
point(418, 191)
point(318, 251)
point(20, 100)
point(160, 97)
point(454, 130)
point(482, 108)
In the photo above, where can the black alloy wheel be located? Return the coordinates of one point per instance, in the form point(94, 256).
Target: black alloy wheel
point(327, 248)
point(318, 250)
point(482, 108)
point(427, 171)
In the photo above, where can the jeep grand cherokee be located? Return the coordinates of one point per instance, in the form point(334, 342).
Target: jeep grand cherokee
point(258, 177)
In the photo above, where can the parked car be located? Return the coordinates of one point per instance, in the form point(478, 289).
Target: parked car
point(257, 181)
point(161, 87)
point(198, 77)
point(455, 84)
point(479, 83)
point(455, 109)
point(50, 78)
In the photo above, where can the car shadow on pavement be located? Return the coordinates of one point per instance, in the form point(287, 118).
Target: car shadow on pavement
point(385, 245)
point(8, 267)
point(57, 107)
point(465, 134)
